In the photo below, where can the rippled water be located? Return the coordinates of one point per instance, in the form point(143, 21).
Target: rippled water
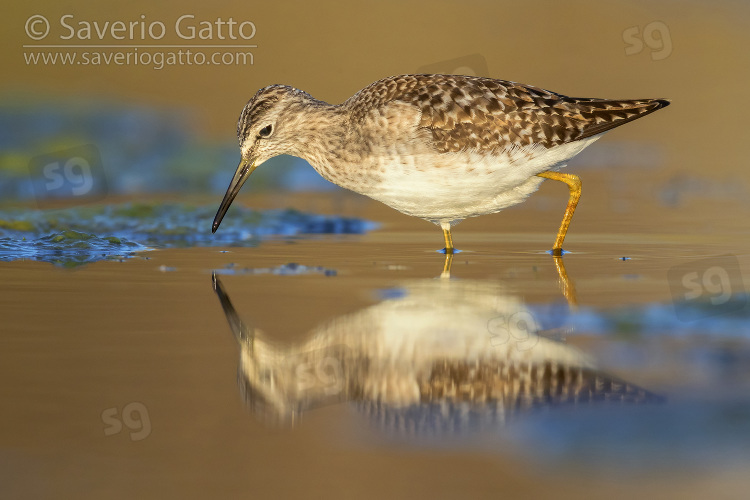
point(293, 344)
point(74, 236)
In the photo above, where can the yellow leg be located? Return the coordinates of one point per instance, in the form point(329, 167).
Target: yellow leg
point(448, 238)
point(447, 266)
point(574, 184)
point(567, 286)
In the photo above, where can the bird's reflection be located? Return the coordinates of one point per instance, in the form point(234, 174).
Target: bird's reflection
point(433, 354)
point(566, 285)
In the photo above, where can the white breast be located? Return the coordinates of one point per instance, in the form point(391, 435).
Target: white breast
point(449, 187)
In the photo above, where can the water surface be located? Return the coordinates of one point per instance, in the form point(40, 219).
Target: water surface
point(353, 364)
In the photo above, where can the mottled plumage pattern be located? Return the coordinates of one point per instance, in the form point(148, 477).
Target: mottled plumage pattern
point(488, 115)
point(427, 357)
point(439, 147)
point(526, 385)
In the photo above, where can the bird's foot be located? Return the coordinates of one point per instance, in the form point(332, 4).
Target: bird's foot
point(557, 252)
point(449, 251)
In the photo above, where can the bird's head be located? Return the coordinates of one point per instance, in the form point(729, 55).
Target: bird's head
point(268, 126)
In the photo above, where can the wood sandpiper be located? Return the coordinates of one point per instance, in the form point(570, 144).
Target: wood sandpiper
point(448, 348)
point(439, 147)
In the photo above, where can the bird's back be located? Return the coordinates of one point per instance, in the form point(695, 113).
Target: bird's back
point(490, 116)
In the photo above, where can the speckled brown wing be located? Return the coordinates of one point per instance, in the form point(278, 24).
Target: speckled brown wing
point(488, 115)
point(458, 396)
point(525, 386)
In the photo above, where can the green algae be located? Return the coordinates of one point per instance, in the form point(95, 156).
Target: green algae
point(100, 232)
point(17, 225)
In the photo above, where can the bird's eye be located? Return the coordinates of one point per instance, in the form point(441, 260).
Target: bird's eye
point(265, 131)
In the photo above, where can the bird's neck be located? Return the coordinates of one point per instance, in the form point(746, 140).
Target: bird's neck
point(322, 138)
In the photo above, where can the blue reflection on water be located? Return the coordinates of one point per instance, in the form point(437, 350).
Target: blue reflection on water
point(87, 234)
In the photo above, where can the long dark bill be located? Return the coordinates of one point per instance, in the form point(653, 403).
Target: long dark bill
point(240, 176)
point(242, 332)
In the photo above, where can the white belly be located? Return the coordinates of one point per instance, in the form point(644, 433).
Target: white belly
point(449, 187)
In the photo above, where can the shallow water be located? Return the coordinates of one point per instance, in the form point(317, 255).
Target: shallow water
point(79, 235)
point(355, 364)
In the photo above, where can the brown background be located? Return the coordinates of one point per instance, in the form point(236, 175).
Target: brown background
point(331, 49)
point(75, 343)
